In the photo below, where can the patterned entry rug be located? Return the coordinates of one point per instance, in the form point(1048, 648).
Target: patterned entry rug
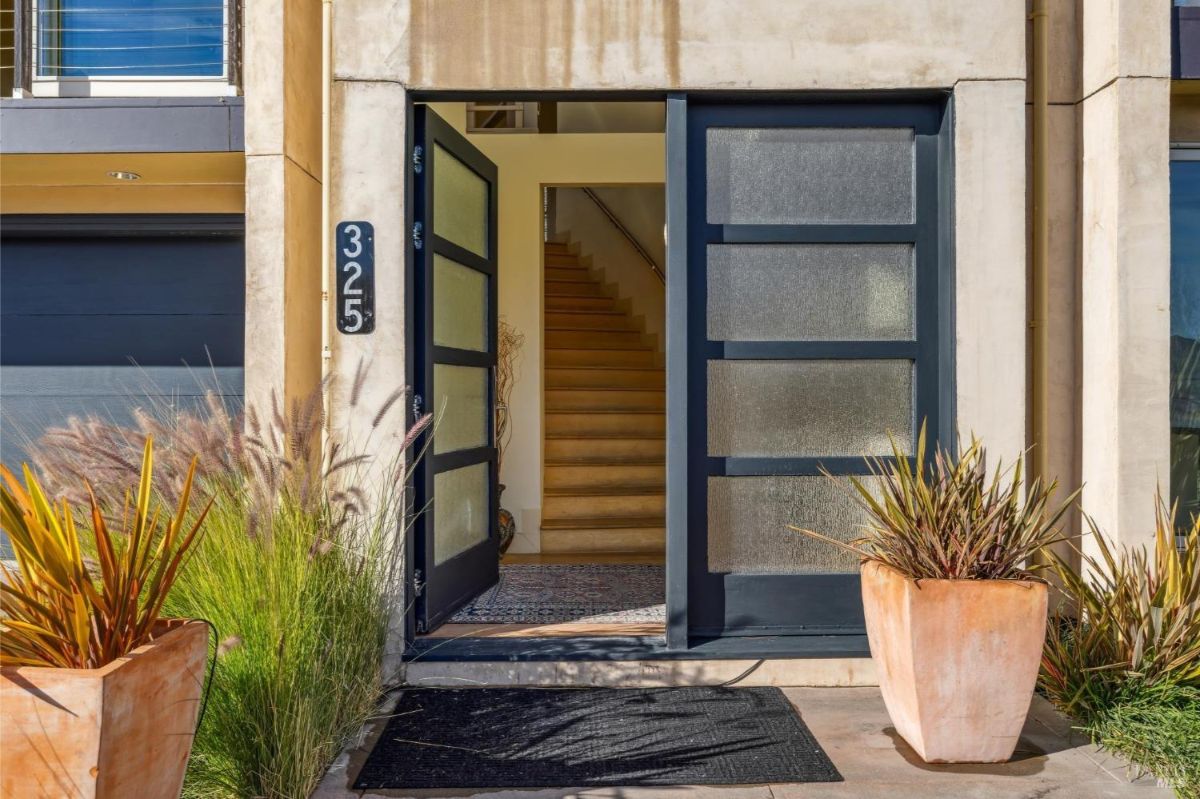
point(560, 593)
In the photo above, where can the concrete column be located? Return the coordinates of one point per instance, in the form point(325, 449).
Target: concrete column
point(989, 263)
point(1125, 253)
point(369, 166)
point(282, 50)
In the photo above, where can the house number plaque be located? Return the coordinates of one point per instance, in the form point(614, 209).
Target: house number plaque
point(355, 244)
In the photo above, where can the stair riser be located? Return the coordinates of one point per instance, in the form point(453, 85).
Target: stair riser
point(575, 273)
point(587, 399)
point(612, 507)
point(585, 358)
point(604, 378)
point(594, 339)
point(622, 539)
point(648, 476)
point(574, 288)
point(631, 425)
point(597, 321)
point(603, 450)
point(564, 259)
point(577, 303)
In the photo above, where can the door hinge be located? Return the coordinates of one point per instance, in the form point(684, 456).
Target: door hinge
point(418, 235)
point(418, 405)
point(418, 582)
point(418, 160)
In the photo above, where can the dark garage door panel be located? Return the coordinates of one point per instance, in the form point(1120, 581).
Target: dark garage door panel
point(123, 275)
point(154, 301)
point(108, 340)
point(104, 324)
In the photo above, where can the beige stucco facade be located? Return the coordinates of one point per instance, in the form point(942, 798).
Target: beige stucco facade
point(1110, 120)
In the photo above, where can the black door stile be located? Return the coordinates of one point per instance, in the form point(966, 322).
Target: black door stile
point(443, 587)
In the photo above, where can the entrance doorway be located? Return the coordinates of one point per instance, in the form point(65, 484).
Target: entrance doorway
point(807, 321)
point(577, 329)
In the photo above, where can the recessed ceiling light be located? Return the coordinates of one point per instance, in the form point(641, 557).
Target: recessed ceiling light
point(118, 175)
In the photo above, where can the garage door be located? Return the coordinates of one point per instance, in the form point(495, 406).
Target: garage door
point(101, 321)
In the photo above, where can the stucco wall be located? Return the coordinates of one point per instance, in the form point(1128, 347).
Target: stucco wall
point(612, 258)
point(623, 44)
point(1125, 264)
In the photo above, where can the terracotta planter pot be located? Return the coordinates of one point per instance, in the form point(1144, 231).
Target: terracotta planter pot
point(124, 730)
point(957, 660)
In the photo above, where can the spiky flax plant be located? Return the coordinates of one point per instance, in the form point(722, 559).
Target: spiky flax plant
point(950, 518)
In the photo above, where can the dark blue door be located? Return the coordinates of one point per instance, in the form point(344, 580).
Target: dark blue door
point(817, 301)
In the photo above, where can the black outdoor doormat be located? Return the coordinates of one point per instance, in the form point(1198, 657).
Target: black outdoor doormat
point(588, 737)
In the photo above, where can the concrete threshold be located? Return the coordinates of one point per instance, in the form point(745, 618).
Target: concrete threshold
point(823, 672)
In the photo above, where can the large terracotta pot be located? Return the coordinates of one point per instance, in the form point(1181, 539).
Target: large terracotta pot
point(124, 730)
point(957, 660)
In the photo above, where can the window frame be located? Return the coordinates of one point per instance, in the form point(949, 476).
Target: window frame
point(149, 85)
point(1188, 151)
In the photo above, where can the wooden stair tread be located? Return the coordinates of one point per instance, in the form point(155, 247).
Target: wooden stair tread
point(646, 489)
point(600, 522)
point(600, 437)
point(633, 345)
point(627, 387)
point(611, 461)
point(603, 367)
point(588, 311)
point(639, 411)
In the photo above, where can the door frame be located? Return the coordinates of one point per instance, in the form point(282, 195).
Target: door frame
point(680, 642)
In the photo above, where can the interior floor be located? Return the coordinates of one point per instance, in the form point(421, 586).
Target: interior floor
point(570, 628)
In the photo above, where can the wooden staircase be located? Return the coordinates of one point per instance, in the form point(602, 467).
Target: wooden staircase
point(605, 405)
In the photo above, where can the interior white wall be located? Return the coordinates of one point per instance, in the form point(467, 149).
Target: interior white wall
point(643, 212)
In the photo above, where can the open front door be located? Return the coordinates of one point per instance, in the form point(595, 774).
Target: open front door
point(454, 260)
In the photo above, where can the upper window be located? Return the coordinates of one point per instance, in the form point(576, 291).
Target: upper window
point(1185, 330)
point(121, 42)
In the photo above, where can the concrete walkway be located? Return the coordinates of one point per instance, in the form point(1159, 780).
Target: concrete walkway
point(852, 725)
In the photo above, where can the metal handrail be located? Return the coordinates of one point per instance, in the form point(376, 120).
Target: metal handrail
point(604, 209)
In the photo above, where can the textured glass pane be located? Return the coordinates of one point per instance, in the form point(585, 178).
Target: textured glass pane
point(461, 511)
point(748, 519)
point(815, 292)
point(462, 402)
point(808, 408)
point(460, 203)
point(795, 176)
point(460, 295)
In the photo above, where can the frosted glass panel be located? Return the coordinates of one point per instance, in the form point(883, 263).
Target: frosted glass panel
point(460, 312)
point(462, 402)
point(460, 203)
point(748, 518)
point(815, 292)
point(795, 176)
point(461, 511)
point(808, 408)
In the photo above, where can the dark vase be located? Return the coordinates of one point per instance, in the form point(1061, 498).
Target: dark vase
point(507, 525)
